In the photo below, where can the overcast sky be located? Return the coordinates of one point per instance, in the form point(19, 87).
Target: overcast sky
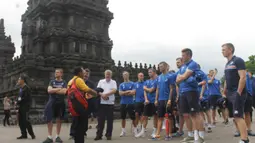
point(151, 31)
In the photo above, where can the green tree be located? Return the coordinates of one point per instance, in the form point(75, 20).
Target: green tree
point(222, 80)
point(250, 64)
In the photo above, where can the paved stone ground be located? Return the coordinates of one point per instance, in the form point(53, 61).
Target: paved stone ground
point(221, 134)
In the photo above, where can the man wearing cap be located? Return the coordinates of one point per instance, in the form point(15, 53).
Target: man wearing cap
point(24, 102)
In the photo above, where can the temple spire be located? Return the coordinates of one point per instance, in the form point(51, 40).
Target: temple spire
point(2, 32)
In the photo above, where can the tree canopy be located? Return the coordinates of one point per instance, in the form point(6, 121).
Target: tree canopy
point(250, 64)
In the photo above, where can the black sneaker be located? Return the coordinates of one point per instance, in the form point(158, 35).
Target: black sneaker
point(209, 129)
point(58, 140)
point(251, 133)
point(21, 137)
point(33, 137)
point(109, 138)
point(98, 138)
point(48, 140)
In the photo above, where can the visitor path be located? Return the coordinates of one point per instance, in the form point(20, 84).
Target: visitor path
point(220, 134)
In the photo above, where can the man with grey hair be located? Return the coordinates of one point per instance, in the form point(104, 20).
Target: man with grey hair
point(106, 105)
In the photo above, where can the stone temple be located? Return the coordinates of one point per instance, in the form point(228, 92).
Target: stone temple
point(59, 34)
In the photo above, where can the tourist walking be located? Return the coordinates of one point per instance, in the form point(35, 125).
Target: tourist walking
point(7, 108)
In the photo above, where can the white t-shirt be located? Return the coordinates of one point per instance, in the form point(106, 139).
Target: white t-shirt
point(108, 87)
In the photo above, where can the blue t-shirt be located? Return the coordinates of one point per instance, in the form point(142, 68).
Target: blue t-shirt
point(206, 92)
point(231, 73)
point(124, 87)
point(139, 91)
point(164, 82)
point(253, 86)
point(214, 88)
point(248, 84)
point(57, 84)
point(201, 76)
point(189, 84)
point(151, 84)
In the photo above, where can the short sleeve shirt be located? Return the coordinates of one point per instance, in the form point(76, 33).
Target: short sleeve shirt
point(164, 82)
point(57, 84)
point(125, 86)
point(108, 87)
point(214, 88)
point(151, 84)
point(231, 73)
point(139, 91)
point(190, 84)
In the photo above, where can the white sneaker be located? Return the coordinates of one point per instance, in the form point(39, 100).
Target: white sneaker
point(153, 134)
point(211, 126)
point(141, 134)
point(122, 134)
point(135, 132)
point(139, 129)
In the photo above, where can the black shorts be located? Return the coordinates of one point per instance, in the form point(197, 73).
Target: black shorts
point(236, 104)
point(213, 101)
point(139, 107)
point(204, 106)
point(163, 109)
point(150, 110)
point(178, 105)
point(58, 110)
point(189, 102)
point(248, 104)
point(127, 109)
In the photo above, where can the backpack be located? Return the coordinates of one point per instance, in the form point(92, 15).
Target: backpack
point(77, 103)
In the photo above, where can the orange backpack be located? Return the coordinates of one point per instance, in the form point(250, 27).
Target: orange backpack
point(77, 103)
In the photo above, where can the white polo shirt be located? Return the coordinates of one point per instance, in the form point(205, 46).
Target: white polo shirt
point(108, 87)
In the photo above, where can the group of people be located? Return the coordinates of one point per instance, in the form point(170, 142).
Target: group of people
point(188, 96)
